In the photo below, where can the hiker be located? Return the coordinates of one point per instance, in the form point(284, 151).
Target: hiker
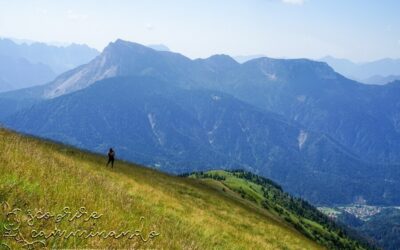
point(111, 155)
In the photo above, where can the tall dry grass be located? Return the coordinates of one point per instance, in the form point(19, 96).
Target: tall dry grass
point(187, 213)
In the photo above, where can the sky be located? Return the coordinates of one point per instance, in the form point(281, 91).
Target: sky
point(359, 30)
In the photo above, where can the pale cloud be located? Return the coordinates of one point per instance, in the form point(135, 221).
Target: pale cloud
point(294, 2)
point(149, 26)
point(76, 16)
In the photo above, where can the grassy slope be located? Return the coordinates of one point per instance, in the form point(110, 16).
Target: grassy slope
point(271, 197)
point(187, 213)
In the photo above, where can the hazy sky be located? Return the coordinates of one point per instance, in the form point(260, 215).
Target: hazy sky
point(360, 30)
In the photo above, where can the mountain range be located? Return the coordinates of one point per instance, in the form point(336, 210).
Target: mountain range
point(319, 134)
point(25, 65)
point(305, 91)
point(377, 72)
point(178, 131)
point(59, 59)
point(12, 78)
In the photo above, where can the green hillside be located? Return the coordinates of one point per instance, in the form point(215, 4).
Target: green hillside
point(270, 196)
point(56, 196)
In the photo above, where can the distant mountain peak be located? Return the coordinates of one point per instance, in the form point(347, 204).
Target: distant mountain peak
point(245, 58)
point(366, 72)
point(124, 58)
point(159, 47)
point(58, 58)
point(119, 58)
point(221, 57)
point(331, 58)
point(292, 70)
point(220, 61)
point(120, 44)
point(297, 62)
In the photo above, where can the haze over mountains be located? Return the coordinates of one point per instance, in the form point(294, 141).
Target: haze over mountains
point(25, 65)
point(11, 76)
point(319, 134)
point(375, 72)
